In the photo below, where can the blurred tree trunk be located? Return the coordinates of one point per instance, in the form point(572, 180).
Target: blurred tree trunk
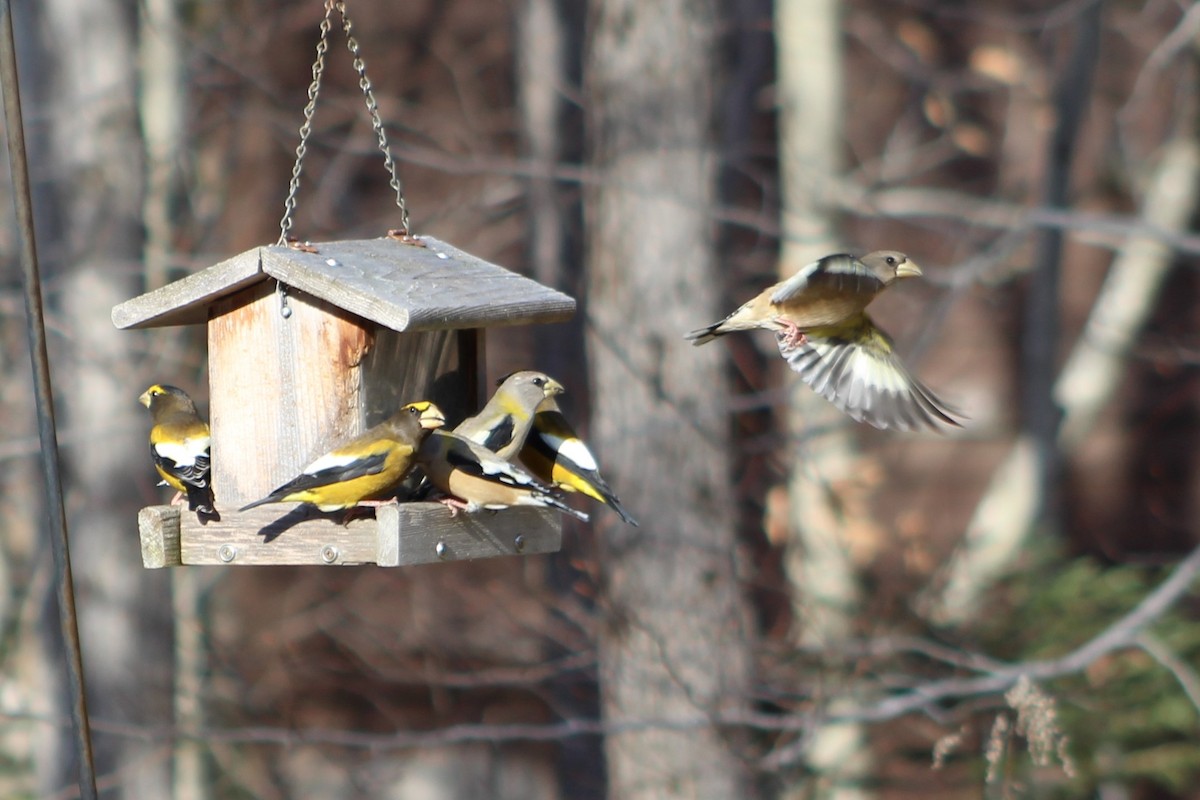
point(548, 55)
point(1008, 510)
point(1024, 489)
point(826, 502)
point(677, 639)
point(89, 203)
point(161, 113)
point(1040, 346)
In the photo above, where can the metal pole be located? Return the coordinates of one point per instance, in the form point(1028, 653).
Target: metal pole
point(22, 200)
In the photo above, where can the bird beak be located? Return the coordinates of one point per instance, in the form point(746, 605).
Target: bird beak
point(908, 269)
point(145, 398)
point(553, 387)
point(432, 419)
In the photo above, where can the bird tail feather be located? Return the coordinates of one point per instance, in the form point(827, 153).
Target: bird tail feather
point(551, 500)
point(257, 503)
point(705, 335)
point(200, 499)
point(612, 502)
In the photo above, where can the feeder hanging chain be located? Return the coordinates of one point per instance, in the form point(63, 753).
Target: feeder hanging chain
point(364, 83)
point(314, 88)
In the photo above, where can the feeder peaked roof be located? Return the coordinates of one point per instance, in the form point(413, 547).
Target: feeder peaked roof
point(401, 286)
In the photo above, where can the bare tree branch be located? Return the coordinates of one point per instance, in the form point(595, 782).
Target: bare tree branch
point(1126, 632)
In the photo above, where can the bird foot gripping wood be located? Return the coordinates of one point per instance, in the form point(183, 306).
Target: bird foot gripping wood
point(454, 504)
point(391, 501)
point(791, 336)
point(365, 508)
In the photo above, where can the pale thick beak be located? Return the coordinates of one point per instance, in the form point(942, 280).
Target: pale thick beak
point(432, 418)
point(552, 388)
point(144, 399)
point(908, 269)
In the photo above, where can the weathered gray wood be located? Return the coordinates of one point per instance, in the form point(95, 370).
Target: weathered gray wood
point(186, 301)
point(407, 287)
point(422, 533)
point(158, 530)
point(282, 390)
point(400, 535)
point(401, 286)
point(286, 390)
point(400, 368)
point(276, 534)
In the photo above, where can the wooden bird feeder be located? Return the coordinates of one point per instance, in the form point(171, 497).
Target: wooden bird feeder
point(307, 346)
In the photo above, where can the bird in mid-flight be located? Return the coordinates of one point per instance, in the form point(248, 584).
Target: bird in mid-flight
point(826, 336)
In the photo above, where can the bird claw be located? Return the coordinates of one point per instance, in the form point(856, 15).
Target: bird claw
point(791, 336)
point(391, 501)
point(454, 504)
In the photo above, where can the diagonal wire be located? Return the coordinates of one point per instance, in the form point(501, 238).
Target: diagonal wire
point(45, 402)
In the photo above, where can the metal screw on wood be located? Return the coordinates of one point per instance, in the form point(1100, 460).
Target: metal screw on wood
point(440, 549)
point(519, 544)
point(329, 554)
point(227, 553)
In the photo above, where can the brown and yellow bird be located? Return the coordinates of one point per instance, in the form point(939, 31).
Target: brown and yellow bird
point(826, 336)
point(365, 468)
point(179, 445)
point(503, 423)
point(556, 455)
point(473, 477)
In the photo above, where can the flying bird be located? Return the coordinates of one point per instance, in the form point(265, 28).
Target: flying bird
point(179, 445)
point(363, 469)
point(826, 336)
point(556, 455)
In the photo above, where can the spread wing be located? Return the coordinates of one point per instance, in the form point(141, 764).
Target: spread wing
point(854, 367)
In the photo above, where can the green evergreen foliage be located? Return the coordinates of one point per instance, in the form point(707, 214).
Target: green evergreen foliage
point(1128, 717)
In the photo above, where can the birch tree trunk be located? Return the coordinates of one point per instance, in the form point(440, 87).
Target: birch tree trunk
point(677, 639)
point(821, 490)
point(1006, 514)
point(90, 239)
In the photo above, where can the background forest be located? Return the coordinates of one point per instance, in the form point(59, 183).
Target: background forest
point(810, 608)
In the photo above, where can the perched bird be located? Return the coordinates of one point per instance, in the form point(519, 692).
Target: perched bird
point(826, 336)
point(364, 468)
point(473, 477)
point(503, 423)
point(556, 455)
point(179, 445)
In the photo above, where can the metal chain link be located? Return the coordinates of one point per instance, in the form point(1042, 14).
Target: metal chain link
point(364, 83)
point(314, 89)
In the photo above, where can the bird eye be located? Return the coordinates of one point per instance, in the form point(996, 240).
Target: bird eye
point(538, 382)
point(891, 260)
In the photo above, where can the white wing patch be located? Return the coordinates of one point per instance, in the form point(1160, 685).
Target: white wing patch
point(572, 449)
point(185, 453)
point(331, 461)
